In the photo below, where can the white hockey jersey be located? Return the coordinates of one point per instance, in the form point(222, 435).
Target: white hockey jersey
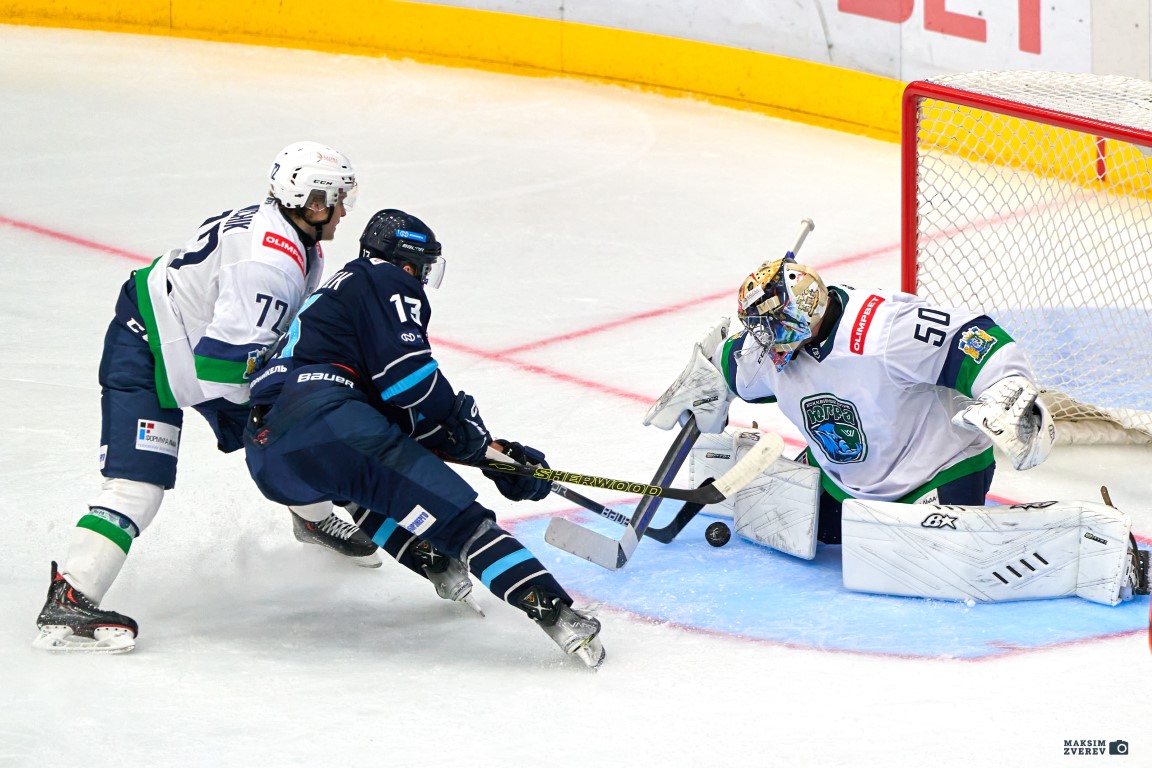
point(212, 307)
point(875, 401)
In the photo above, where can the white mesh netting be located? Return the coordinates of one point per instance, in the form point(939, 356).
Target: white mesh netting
point(1047, 227)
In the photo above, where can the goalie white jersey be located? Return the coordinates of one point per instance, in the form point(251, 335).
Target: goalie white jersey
point(213, 307)
point(908, 367)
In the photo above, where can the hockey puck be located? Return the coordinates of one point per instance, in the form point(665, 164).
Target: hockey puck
point(717, 534)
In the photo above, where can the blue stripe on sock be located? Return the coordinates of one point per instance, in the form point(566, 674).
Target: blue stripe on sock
point(384, 531)
point(504, 564)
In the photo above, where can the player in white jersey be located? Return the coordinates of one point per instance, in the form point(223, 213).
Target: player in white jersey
point(874, 381)
point(188, 330)
point(901, 403)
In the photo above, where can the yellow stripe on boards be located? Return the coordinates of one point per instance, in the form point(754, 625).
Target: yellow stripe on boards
point(803, 91)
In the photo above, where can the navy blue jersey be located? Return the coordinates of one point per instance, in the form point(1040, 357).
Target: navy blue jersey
point(370, 318)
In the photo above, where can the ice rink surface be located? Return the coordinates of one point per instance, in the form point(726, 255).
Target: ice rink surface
point(592, 234)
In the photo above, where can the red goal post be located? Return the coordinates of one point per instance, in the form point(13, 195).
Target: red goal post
point(1028, 195)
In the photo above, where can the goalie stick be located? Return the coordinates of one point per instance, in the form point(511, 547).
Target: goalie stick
point(614, 554)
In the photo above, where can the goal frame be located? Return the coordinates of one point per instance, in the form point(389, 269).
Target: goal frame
point(918, 90)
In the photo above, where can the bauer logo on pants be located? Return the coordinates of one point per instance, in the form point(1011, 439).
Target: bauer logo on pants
point(157, 436)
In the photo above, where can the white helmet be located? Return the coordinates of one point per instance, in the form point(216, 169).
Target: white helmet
point(305, 168)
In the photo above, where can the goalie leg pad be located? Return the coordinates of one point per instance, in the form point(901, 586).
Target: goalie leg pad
point(988, 554)
point(779, 508)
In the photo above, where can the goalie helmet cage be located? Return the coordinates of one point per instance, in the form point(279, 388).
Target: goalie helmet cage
point(1028, 195)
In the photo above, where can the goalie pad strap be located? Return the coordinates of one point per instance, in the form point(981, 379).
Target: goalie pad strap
point(988, 554)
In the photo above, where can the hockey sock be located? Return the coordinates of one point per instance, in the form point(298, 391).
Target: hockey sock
point(97, 550)
point(390, 537)
point(506, 567)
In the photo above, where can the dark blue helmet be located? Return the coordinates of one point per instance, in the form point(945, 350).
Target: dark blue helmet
point(400, 238)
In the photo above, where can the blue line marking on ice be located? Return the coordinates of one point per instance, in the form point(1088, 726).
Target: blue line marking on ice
point(746, 590)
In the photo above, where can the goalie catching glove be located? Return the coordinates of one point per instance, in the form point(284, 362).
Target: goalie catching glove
point(699, 390)
point(517, 487)
point(1011, 414)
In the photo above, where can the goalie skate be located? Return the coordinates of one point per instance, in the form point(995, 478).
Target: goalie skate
point(1136, 577)
point(70, 622)
point(340, 537)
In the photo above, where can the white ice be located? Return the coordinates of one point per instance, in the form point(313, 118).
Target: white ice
point(592, 234)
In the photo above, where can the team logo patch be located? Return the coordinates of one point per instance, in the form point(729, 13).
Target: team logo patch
point(158, 437)
point(976, 343)
point(834, 425)
point(417, 521)
point(255, 360)
point(284, 245)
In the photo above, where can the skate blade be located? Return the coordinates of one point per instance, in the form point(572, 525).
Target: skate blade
point(367, 561)
point(591, 653)
point(470, 601)
point(57, 639)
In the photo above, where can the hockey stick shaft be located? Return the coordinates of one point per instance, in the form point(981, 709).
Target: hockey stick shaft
point(806, 226)
point(591, 505)
point(708, 494)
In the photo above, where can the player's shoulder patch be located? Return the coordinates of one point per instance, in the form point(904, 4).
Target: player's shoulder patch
point(976, 343)
point(284, 245)
point(862, 322)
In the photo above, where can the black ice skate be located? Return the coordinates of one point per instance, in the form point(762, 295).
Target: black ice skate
point(338, 536)
point(1136, 581)
point(576, 632)
point(69, 621)
point(448, 575)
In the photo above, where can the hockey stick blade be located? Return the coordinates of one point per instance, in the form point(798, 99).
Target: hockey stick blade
point(731, 481)
point(613, 554)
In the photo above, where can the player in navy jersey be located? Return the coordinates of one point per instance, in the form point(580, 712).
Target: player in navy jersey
point(187, 332)
point(353, 406)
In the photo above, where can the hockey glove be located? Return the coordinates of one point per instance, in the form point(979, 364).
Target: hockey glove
point(467, 436)
point(1011, 414)
point(519, 488)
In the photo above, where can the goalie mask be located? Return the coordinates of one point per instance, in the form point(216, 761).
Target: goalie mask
point(400, 238)
point(779, 304)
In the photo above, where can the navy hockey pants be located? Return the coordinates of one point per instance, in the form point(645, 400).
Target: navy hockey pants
point(323, 441)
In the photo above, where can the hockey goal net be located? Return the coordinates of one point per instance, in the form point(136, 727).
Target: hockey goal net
point(1028, 195)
